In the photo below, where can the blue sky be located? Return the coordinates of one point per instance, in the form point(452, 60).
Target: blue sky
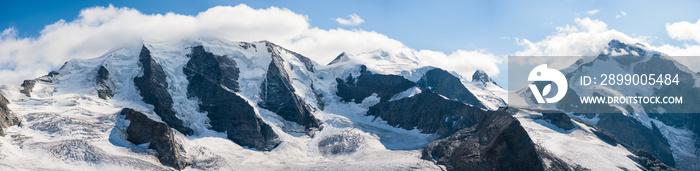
point(436, 25)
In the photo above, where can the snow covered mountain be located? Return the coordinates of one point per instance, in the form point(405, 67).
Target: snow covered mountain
point(670, 137)
point(217, 105)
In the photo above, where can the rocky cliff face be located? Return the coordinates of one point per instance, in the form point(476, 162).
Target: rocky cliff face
point(158, 135)
point(103, 83)
point(446, 84)
point(27, 87)
point(153, 87)
point(7, 118)
point(212, 80)
point(278, 94)
point(498, 142)
point(631, 132)
point(483, 78)
point(428, 112)
point(357, 89)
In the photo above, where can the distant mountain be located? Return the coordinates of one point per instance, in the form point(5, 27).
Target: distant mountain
point(670, 137)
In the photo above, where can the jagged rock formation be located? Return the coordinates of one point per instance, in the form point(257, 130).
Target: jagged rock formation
point(498, 142)
point(428, 112)
point(7, 118)
point(277, 92)
point(158, 135)
point(446, 84)
point(481, 77)
point(27, 87)
point(153, 87)
point(357, 89)
point(211, 80)
point(558, 119)
point(103, 84)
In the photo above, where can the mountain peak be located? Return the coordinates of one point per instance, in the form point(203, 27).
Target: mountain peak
point(482, 77)
point(618, 48)
point(341, 58)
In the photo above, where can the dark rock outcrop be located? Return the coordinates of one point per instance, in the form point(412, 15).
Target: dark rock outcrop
point(631, 132)
point(160, 137)
point(340, 144)
point(277, 92)
point(648, 161)
point(27, 87)
point(498, 142)
point(428, 112)
point(357, 89)
point(153, 87)
point(446, 84)
point(558, 119)
point(211, 80)
point(104, 86)
point(7, 118)
point(481, 77)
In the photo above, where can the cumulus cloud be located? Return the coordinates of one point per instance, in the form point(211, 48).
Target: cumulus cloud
point(589, 37)
point(622, 14)
point(352, 21)
point(592, 12)
point(97, 30)
point(684, 30)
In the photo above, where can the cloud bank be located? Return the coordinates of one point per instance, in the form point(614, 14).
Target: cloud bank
point(99, 29)
point(353, 21)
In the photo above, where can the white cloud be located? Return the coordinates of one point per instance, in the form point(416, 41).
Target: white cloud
point(97, 30)
point(592, 12)
point(622, 14)
point(353, 21)
point(684, 30)
point(462, 61)
point(587, 38)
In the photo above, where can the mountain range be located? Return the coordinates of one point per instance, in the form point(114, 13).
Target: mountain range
point(210, 104)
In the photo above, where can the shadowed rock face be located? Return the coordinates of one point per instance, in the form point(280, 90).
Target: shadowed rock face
point(278, 95)
point(357, 89)
point(498, 142)
point(104, 87)
point(428, 112)
point(648, 161)
point(446, 84)
point(7, 118)
point(208, 74)
point(160, 137)
point(558, 119)
point(27, 87)
point(631, 132)
point(482, 77)
point(153, 87)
